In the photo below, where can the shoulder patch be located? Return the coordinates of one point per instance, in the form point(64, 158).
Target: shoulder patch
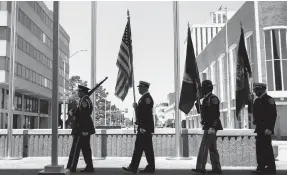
point(148, 101)
point(215, 100)
point(271, 101)
point(84, 104)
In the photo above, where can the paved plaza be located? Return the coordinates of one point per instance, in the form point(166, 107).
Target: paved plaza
point(112, 165)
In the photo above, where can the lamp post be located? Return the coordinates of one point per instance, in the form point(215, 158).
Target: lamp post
point(64, 85)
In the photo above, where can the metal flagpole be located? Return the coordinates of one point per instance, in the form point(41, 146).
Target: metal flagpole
point(178, 145)
point(54, 168)
point(231, 119)
point(94, 67)
point(55, 102)
point(11, 82)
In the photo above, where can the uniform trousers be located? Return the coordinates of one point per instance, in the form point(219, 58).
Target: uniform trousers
point(264, 152)
point(208, 143)
point(80, 143)
point(143, 144)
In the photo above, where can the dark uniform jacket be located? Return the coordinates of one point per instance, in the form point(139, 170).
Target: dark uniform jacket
point(83, 121)
point(210, 112)
point(144, 113)
point(265, 113)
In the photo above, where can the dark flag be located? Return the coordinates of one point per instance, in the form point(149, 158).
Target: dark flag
point(243, 73)
point(191, 81)
point(277, 67)
point(124, 63)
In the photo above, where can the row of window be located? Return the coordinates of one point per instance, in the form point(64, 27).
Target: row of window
point(29, 24)
point(36, 54)
point(32, 76)
point(37, 8)
point(276, 63)
point(276, 59)
point(33, 52)
point(30, 104)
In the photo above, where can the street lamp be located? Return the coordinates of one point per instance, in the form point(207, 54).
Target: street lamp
point(64, 85)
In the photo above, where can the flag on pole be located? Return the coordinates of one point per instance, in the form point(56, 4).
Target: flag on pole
point(277, 67)
point(243, 73)
point(124, 63)
point(191, 82)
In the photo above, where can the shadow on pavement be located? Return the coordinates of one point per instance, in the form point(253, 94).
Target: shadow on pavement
point(115, 171)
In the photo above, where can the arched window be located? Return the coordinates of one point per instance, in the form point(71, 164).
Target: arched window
point(276, 57)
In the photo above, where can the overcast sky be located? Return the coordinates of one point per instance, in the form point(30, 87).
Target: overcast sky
point(152, 35)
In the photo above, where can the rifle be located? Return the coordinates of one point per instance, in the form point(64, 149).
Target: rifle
point(98, 85)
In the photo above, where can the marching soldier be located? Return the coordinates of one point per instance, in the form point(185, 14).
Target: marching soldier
point(145, 129)
point(211, 124)
point(265, 114)
point(83, 128)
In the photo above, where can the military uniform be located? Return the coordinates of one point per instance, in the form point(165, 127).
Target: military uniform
point(210, 119)
point(144, 139)
point(82, 123)
point(265, 114)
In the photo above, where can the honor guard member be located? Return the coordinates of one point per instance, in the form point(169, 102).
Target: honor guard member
point(265, 114)
point(144, 132)
point(82, 130)
point(211, 124)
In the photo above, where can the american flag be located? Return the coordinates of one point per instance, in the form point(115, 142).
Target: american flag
point(124, 63)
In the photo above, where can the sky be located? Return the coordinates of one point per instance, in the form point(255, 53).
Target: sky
point(152, 36)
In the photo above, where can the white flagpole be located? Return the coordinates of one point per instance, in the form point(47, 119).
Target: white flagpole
point(94, 67)
point(176, 80)
point(178, 145)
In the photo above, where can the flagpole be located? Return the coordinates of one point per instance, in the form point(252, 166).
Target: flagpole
point(94, 68)
point(231, 121)
point(54, 167)
point(178, 145)
point(11, 82)
point(133, 77)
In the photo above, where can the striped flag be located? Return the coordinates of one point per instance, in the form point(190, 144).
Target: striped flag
point(124, 63)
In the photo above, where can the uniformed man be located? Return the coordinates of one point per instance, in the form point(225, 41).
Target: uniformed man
point(145, 129)
point(82, 130)
point(265, 114)
point(211, 124)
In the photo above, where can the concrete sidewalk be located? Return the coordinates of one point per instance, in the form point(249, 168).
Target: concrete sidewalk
point(112, 165)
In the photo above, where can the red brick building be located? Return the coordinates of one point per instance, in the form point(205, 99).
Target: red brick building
point(258, 20)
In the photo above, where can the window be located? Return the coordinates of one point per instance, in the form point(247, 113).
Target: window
point(224, 18)
point(250, 51)
point(19, 69)
point(276, 58)
point(219, 18)
point(23, 72)
point(214, 18)
point(27, 73)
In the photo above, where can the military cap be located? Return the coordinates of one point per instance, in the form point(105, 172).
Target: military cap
point(259, 86)
point(143, 84)
point(207, 83)
point(83, 88)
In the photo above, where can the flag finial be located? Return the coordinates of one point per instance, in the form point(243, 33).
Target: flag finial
point(188, 24)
